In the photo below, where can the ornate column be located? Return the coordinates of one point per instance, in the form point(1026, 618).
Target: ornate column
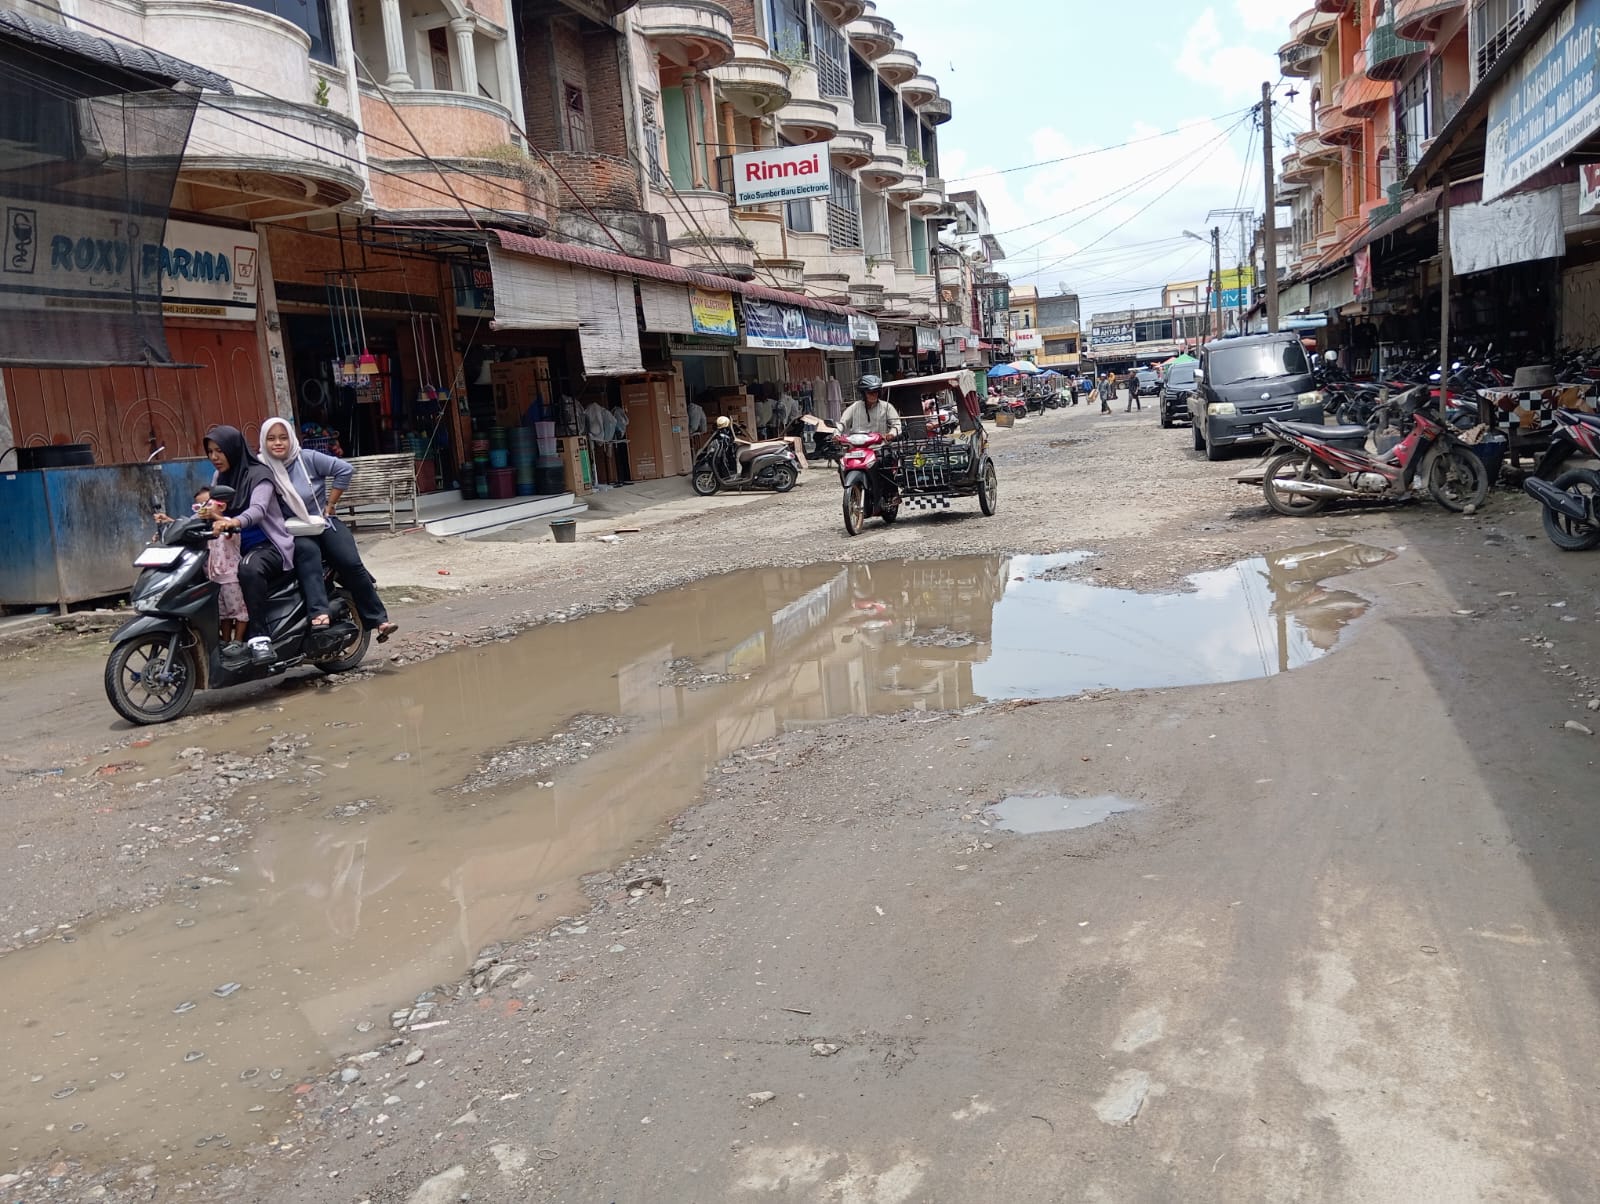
point(394, 46)
point(467, 67)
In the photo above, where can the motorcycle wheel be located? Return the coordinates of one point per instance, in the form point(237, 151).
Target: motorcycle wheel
point(989, 491)
point(355, 649)
point(1295, 466)
point(127, 691)
point(1457, 479)
point(704, 482)
point(888, 513)
point(1567, 535)
point(855, 509)
point(783, 478)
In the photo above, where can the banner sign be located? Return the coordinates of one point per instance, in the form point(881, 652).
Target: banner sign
point(1112, 332)
point(828, 333)
point(863, 328)
point(774, 327)
point(713, 313)
point(1589, 188)
point(72, 257)
point(781, 173)
point(1547, 104)
point(474, 287)
point(1026, 340)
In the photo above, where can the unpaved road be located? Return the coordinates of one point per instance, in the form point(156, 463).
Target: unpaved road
point(1342, 949)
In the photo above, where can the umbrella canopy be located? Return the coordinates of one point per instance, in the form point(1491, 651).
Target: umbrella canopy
point(1001, 371)
point(1026, 367)
point(1049, 374)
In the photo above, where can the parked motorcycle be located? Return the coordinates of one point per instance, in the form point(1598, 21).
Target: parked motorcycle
point(869, 487)
point(174, 647)
point(725, 463)
point(1322, 464)
point(1571, 517)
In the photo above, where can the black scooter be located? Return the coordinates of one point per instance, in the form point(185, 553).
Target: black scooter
point(174, 647)
point(723, 464)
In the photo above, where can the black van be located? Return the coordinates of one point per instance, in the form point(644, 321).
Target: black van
point(1241, 382)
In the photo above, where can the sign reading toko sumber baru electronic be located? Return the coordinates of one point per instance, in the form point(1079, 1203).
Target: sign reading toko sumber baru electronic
point(781, 173)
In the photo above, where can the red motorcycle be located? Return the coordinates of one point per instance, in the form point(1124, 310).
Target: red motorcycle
point(1322, 464)
point(1571, 518)
point(870, 490)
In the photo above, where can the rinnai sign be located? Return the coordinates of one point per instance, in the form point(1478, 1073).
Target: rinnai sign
point(783, 173)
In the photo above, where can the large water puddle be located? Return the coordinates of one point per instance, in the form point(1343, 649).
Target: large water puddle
point(376, 876)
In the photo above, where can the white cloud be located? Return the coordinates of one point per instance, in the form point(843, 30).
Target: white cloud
point(1232, 70)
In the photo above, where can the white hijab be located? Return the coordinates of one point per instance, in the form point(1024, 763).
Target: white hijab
point(280, 468)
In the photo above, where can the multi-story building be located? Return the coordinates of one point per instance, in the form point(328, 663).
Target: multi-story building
point(1059, 332)
point(976, 298)
point(399, 175)
point(1126, 338)
point(1023, 322)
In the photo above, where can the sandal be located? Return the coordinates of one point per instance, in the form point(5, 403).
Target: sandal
point(321, 621)
point(385, 630)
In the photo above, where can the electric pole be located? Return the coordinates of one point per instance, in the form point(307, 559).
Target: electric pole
point(1216, 289)
point(1270, 229)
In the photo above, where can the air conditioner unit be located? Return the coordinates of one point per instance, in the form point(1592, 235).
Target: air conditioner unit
point(655, 238)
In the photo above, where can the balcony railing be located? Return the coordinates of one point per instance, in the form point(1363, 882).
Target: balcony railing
point(1387, 52)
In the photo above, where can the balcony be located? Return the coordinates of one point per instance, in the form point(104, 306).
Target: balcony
point(1295, 171)
point(1423, 19)
point(1298, 60)
point(1335, 7)
point(884, 172)
point(755, 83)
point(1389, 56)
point(909, 187)
point(1334, 124)
point(808, 120)
point(1362, 97)
point(841, 12)
point(871, 35)
point(696, 35)
point(1315, 153)
point(702, 234)
point(851, 149)
point(919, 90)
point(937, 110)
point(932, 199)
point(899, 64)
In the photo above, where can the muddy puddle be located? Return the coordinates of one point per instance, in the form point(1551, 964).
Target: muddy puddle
point(1029, 814)
point(182, 1030)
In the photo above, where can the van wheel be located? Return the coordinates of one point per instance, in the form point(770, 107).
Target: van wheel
point(1214, 453)
point(1199, 439)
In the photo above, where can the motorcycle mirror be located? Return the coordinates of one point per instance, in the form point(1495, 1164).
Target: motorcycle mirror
point(1329, 357)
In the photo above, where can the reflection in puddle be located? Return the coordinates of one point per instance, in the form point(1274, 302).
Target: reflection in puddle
point(375, 878)
point(1030, 813)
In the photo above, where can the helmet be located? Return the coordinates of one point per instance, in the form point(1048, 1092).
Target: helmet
point(723, 421)
point(871, 384)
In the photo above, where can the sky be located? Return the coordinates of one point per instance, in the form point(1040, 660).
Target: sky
point(1161, 88)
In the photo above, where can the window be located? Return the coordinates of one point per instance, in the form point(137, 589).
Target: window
point(439, 59)
point(652, 142)
point(577, 120)
point(791, 28)
point(309, 15)
point(889, 108)
point(1256, 361)
point(1494, 24)
point(864, 86)
point(833, 62)
point(1411, 122)
point(1061, 346)
point(1153, 332)
point(799, 217)
point(844, 212)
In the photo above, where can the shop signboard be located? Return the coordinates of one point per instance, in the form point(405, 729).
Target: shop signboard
point(1361, 274)
point(78, 257)
point(775, 327)
point(828, 333)
point(864, 329)
point(1548, 103)
point(474, 288)
point(1110, 333)
point(1026, 340)
point(1237, 285)
point(713, 313)
point(927, 339)
point(782, 173)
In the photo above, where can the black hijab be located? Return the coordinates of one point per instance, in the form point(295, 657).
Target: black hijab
point(244, 471)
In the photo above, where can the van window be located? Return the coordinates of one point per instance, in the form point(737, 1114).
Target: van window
point(1255, 361)
point(1180, 374)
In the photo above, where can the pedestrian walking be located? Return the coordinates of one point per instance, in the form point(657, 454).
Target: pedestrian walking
point(1133, 392)
point(1108, 390)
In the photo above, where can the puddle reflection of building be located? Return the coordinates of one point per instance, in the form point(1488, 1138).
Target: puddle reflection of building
point(1309, 616)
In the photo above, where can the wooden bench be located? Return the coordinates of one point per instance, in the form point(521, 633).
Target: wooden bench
point(388, 482)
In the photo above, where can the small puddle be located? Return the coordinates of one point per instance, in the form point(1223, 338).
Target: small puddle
point(1031, 813)
point(378, 874)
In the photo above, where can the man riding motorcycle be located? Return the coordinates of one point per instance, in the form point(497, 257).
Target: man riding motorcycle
point(872, 415)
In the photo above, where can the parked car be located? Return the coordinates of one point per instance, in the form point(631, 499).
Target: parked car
point(1149, 382)
point(1243, 381)
point(1176, 386)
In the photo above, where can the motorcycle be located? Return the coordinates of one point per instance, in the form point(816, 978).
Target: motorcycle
point(174, 647)
point(1571, 516)
point(1328, 463)
point(869, 487)
point(723, 463)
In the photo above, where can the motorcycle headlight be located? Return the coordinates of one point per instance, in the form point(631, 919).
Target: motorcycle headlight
point(1222, 409)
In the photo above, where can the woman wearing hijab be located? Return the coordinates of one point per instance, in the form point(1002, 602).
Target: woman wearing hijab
point(309, 485)
point(266, 549)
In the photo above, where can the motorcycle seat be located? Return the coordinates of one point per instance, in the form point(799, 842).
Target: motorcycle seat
point(1586, 419)
point(747, 454)
point(1315, 430)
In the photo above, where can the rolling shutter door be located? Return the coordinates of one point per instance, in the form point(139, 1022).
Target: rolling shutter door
point(532, 294)
point(608, 324)
point(666, 307)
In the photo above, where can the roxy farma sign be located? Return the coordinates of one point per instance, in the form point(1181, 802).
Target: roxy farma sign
point(781, 173)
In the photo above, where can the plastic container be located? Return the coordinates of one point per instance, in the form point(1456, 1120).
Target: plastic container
point(502, 483)
point(1492, 451)
point(564, 529)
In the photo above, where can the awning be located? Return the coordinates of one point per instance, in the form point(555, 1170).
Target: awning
point(1514, 229)
point(666, 307)
point(1413, 209)
point(535, 294)
point(649, 269)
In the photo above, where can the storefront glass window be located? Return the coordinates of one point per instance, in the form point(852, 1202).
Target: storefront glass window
point(309, 15)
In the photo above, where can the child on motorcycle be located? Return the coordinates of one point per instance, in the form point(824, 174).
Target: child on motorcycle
point(222, 566)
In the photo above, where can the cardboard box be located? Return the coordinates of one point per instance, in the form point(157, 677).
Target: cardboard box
point(576, 466)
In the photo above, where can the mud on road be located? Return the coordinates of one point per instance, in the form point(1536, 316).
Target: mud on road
point(477, 944)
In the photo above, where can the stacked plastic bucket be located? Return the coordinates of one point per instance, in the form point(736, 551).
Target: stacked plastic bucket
point(522, 460)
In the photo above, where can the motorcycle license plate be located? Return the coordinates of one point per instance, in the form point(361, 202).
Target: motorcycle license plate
point(157, 557)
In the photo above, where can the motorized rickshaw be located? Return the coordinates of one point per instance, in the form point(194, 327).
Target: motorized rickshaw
point(942, 453)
